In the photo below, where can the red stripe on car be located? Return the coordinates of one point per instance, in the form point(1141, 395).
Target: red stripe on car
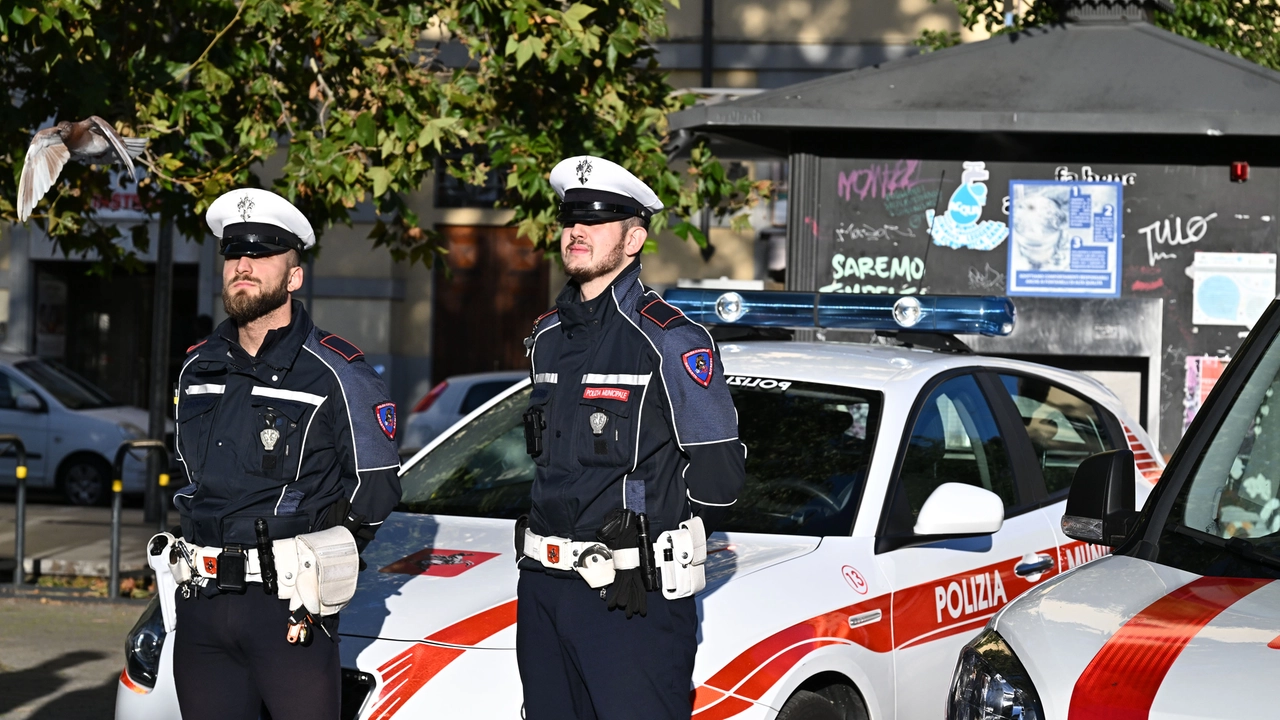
point(406, 673)
point(1122, 680)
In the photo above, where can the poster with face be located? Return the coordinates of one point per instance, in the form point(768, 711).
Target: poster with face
point(1065, 238)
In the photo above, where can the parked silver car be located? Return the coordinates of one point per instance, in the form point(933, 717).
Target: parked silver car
point(448, 402)
point(71, 430)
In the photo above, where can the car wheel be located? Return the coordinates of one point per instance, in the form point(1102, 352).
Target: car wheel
point(86, 480)
point(805, 705)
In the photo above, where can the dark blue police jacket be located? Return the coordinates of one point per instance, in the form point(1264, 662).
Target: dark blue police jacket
point(637, 410)
point(286, 436)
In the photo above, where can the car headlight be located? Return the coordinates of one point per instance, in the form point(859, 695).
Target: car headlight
point(991, 684)
point(143, 645)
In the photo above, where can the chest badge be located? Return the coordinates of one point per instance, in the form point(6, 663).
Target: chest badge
point(269, 438)
point(598, 420)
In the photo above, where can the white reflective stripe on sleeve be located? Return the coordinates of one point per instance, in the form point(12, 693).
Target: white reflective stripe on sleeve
point(546, 378)
point(596, 379)
point(295, 395)
point(709, 504)
point(206, 389)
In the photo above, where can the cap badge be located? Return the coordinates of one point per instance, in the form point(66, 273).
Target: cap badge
point(245, 206)
point(583, 170)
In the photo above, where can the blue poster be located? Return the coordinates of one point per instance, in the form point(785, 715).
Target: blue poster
point(1064, 238)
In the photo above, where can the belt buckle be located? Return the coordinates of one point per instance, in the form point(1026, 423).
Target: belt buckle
point(552, 553)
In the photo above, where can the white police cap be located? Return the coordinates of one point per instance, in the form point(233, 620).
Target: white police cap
point(255, 223)
point(594, 190)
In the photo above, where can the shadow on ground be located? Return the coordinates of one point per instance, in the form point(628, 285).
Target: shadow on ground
point(22, 687)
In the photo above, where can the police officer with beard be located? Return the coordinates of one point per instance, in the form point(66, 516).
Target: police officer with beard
point(288, 439)
point(634, 436)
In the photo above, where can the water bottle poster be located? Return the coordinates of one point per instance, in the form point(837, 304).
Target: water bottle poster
point(1065, 238)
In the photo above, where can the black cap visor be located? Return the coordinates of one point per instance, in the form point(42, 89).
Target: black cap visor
point(257, 240)
point(597, 213)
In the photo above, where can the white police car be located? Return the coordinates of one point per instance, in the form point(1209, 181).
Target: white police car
point(895, 499)
point(1185, 614)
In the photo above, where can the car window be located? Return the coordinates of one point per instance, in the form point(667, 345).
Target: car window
point(1063, 427)
point(955, 438)
point(480, 393)
point(73, 391)
point(1225, 520)
point(809, 447)
point(10, 388)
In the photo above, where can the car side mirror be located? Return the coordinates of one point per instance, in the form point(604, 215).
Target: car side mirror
point(960, 509)
point(1100, 507)
point(29, 402)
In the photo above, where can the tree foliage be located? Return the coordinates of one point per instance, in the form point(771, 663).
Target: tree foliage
point(357, 99)
point(1245, 28)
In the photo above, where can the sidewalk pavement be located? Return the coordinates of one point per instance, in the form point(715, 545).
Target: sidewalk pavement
point(69, 540)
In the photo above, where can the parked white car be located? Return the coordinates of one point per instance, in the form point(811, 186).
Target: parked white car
point(71, 430)
point(895, 499)
point(448, 402)
point(1184, 614)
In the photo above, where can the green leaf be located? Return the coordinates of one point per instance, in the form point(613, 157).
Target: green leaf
point(576, 13)
point(365, 133)
point(381, 179)
point(524, 51)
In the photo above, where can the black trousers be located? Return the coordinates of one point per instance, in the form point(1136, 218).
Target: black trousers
point(578, 659)
point(231, 656)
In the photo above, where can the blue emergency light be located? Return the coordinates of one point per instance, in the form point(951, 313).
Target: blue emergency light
point(952, 314)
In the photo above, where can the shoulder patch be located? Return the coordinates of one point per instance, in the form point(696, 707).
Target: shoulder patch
point(193, 348)
point(661, 313)
point(348, 351)
point(386, 413)
point(698, 363)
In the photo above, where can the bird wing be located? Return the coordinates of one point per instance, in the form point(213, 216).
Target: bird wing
point(45, 158)
point(117, 143)
point(136, 146)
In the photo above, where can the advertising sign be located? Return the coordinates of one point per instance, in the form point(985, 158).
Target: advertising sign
point(1065, 238)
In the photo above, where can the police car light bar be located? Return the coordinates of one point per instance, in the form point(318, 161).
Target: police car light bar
point(953, 314)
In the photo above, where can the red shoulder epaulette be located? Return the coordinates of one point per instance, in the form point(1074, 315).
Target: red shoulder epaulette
point(193, 347)
point(344, 348)
point(660, 313)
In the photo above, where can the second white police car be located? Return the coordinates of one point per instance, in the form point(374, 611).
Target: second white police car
point(1186, 613)
point(896, 498)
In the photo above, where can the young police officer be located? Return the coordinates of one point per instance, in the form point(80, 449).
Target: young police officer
point(287, 437)
point(634, 436)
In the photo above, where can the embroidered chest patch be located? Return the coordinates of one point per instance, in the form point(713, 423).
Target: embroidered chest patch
point(698, 364)
point(386, 413)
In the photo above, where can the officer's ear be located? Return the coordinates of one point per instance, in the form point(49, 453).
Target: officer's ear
point(633, 241)
point(295, 278)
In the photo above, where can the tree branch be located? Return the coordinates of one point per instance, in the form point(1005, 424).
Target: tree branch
point(216, 38)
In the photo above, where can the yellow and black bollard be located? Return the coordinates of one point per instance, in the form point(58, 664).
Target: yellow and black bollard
point(20, 508)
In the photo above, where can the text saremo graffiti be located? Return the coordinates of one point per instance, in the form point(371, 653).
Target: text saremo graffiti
point(1164, 232)
point(878, 181)
point(970, 595)
point(872, 271)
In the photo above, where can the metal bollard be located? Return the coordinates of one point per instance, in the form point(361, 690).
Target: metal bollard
point(20, 508)
point(163, 482)
point(117, 500)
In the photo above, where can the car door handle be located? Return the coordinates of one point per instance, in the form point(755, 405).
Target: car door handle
point(1033, 565)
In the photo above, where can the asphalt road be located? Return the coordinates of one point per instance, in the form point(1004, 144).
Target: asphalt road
point(59, 660)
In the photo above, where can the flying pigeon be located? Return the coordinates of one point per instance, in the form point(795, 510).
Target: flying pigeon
point(91, 141)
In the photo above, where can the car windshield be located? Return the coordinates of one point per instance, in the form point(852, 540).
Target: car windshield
point(1226, 519)
point(808, 449)
point(73, 391)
